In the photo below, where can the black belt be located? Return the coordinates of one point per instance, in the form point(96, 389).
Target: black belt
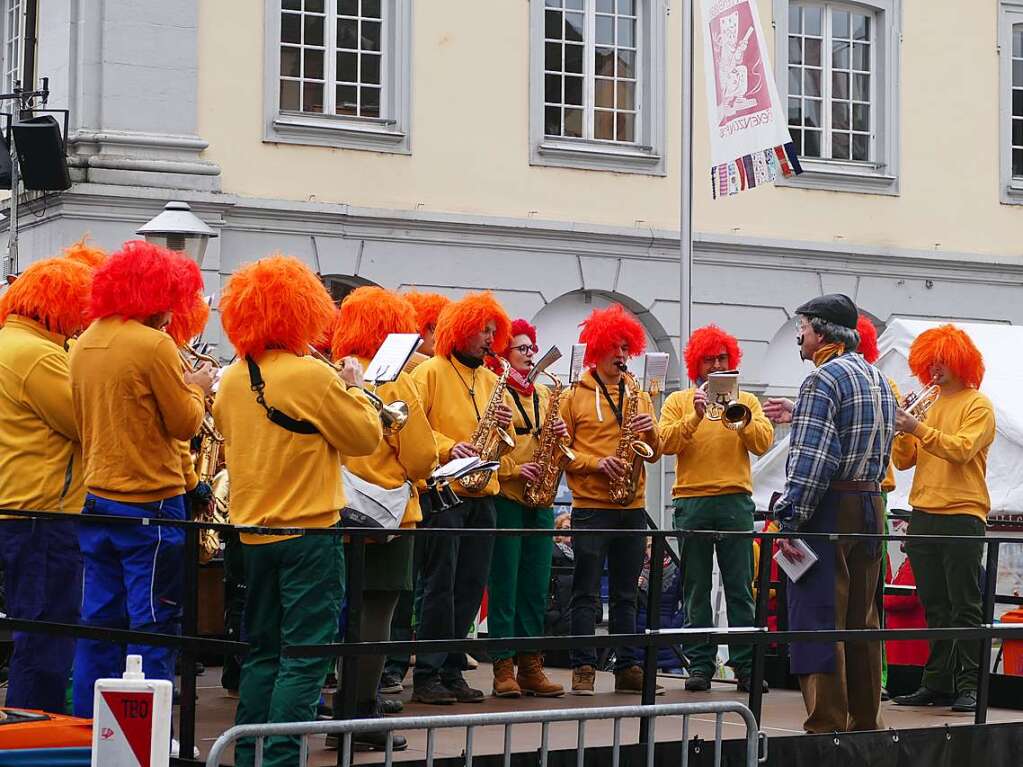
point(855, 486)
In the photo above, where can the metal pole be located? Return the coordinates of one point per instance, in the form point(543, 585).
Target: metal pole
point(653, 624)
point(756, 686)
point(984, 670)
point(345, 698)
point(685, 240)
point(190, 625)
point(12, 222)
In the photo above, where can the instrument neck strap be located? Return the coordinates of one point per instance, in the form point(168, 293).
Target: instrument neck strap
point(528, 428)
point(285, 421)
point(471, 388)
point(616, 409)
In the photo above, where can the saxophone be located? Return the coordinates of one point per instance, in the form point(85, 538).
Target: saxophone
point(207, 463)
point(552, 454)
point(489, 439)
point(632, 450)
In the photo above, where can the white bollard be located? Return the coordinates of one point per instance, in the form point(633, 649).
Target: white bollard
point(132, 719)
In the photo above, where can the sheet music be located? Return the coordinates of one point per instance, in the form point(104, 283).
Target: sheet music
point(575, 367)
point(796, 570)
point(655, 371)
point(549, 357)
point(459, 467)
point(391, 357)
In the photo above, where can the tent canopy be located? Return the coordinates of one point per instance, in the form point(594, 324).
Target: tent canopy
point(1000, 345)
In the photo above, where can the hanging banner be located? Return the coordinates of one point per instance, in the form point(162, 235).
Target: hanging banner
point(749, 139)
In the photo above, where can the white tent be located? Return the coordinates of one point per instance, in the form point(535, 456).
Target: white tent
point(1000, 345)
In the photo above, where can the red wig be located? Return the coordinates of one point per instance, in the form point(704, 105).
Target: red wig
point(462, 319)
point(604, 329)
point(86, 254)
point(54, 292)
point(868, 339)
point(367, 315)
point(184, 326)
point(950, 346)
point(142, 279)
point(708, 341)
point(428, 307)
point(275, 303)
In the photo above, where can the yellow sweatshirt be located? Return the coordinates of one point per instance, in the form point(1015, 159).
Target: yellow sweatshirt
point(280, 478)
point(409, 455)
point(40, 454)
point(448, 390)
point(132, 408)
point(526, 436)
point(950, 455)
point(594, 433)
point(711, 460)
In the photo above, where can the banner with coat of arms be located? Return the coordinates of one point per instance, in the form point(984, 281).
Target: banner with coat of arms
point(749, 139)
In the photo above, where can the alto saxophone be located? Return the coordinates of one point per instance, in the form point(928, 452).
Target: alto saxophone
point(552, 454)
point(489, 440)
point(632, 450)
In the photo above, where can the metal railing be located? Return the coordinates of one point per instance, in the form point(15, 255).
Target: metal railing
point(346, 729)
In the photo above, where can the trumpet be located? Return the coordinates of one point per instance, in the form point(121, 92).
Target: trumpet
point(393, 415)
point(917, 405)
point(723, 403)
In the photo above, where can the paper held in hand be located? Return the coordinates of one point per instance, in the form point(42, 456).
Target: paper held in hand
point(391, 358)
point(459, 467)
point(575, 367)
point(796, 570)
point(655, 371)
point(551, 356)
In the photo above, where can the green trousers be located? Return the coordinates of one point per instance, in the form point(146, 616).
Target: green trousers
point(948, 584)
point(520, 574)
point(294, 592)
point(735, 560)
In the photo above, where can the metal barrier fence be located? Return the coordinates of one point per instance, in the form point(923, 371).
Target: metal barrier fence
point(649, 642)
point(345, 729)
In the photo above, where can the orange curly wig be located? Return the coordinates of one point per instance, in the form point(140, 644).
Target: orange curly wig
point(54, 292)
point(367, 315)
point(707, 342)
point(605, 328)
point(86, 254)
point(142, 279)
point(275, 303)
point(428, 307)
point(951, 346)
point(184, 326)
point(462, 319)
point(868, 339)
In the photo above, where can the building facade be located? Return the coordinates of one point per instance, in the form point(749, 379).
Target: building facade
point(533, 148)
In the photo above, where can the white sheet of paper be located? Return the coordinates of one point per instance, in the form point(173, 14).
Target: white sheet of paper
point(796, 570)
point(655, 369)
point(459, 467)
point(575, 366)
point(549, 357)
point(391, 357)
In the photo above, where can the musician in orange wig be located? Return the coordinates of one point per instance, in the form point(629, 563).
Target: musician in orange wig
point(868, 339)
point(710, 343)
point(134, 407)
point(366, 317)
point(275, 303)
point(428, 307)
point(41, 469)
point(949, 447)
point(606, 329)
point(289, 423)
point(85, 253)
point(457, 391)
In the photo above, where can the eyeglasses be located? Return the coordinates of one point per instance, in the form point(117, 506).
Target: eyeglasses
point(526, 348)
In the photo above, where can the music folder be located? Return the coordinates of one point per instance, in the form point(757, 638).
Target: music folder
point(655, 371)
point(575, 366)
point(460, 467)
point(549, 357)
point(391, 358)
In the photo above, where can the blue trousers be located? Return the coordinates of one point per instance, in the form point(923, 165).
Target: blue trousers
point(131, 580)
point(43, 571)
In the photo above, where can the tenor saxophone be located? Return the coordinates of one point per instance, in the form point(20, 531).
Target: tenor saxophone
point(489, 440)
point(552, 454)
point(632, 450)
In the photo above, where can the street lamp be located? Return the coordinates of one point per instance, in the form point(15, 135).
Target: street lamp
point(177, 228)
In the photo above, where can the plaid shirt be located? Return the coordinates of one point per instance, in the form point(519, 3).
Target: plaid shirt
point(831, 431)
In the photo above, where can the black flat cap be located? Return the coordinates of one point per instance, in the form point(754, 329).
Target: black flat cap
point(834, 307)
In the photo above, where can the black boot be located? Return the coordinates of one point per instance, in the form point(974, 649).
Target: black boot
point(375, 740)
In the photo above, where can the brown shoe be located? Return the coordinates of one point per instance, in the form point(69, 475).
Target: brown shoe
point(582, 680)
point(505, 685)
point(630, 681)
point(532, 680)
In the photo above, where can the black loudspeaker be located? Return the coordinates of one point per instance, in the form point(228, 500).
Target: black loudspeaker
point(41, 159)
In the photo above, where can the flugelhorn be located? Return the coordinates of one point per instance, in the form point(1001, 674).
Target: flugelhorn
point(393, 415)
point(723, 403)
point(917, 405)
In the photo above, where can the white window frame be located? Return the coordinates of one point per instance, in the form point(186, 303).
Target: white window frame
point(388, 133)
point(881, 174)
point(647, 154)
point(1010, 14)
point(10, 74)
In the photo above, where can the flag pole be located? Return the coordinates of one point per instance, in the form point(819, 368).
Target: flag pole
point(686, 191)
